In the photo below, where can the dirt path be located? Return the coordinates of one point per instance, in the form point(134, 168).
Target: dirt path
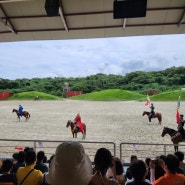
point(120, 121)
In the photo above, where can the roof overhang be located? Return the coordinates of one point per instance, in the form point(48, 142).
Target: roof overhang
point(24, 20)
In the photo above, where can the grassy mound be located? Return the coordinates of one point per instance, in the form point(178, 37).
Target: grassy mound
point(31, 96)
point(110, 95)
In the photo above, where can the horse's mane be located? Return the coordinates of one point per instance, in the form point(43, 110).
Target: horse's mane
point(171, 129)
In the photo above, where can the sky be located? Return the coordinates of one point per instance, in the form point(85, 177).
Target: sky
point(85, 57)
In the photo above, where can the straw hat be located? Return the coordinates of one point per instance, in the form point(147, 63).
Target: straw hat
point(70, 165)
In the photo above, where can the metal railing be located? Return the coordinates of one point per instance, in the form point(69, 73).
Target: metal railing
point(124, 150)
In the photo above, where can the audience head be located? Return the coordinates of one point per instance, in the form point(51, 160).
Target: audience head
point(179, 155)
point(70, 165)
point(138, 170)
point(21, 156)
point(119, 166)
point(15, 156)
point(172, 163)
point(103, 160)
point(40, 156)
point(30, 157)
point(133, 158)
point(7, 165)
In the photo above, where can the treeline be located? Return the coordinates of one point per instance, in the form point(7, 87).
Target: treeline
point(169, 79)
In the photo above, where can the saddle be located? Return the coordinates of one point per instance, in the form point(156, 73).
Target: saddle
point(177, 138)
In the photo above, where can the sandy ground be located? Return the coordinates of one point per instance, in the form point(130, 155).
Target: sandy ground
point(120, 121)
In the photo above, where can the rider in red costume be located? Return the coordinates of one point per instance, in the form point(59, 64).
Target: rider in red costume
point(78, 122)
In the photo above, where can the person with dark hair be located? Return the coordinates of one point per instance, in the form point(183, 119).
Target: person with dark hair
point(20, 161)
point(102, 161)
point(133, 158)
point(147, 161)
point(120, 176)
point(138, 170)
point(180, 156)
point(7, 175)
point(171, 177)
point(29, 175)
point(40, 164)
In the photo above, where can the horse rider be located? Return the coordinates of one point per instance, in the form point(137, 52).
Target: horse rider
point(20, 110)
point(78, 123)
point(181, 126)
point(152, 110)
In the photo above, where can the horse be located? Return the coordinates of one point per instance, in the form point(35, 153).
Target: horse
point(74, 132)
point(24, 113)
point(173, 133)
point(37, 98)
point(157, 115)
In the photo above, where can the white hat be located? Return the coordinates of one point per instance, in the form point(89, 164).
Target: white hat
point(70, 165)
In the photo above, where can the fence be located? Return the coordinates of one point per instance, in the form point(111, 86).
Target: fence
point(4, 95)
point(124, 150)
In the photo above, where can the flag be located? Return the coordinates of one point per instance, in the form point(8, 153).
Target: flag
point(178, 103)
point(19, 148)
point(178, 116)
point(147, 100)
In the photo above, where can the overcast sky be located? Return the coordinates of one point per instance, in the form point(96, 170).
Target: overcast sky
point(84, 57)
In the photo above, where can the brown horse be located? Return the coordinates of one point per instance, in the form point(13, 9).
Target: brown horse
point(157, 115)
point(74, 132)
point(175, 136)
point(24, 113)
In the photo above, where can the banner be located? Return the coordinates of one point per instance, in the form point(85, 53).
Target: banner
point(147, 100)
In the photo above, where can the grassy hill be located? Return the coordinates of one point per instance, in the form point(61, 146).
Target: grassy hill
point(31, 96)
point(106, 95)
point(122, 95)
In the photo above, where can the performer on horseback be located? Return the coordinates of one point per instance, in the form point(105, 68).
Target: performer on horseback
point(78, 123)
point(20, 110)
point(152, 113)
point(181, 126)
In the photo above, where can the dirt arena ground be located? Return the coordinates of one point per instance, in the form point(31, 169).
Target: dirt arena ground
point(119, 121)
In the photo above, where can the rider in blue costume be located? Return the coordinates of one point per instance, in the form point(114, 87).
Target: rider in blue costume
point(20, 110)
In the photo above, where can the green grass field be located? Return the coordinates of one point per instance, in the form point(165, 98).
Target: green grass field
point(106, 95)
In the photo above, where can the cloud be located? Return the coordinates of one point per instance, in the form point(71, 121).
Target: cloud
point(84, 57)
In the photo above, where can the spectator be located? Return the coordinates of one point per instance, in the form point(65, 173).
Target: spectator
point(171, 177)
point(102, 161)
point(116, 171)
point(159, 171)
point(139, 171)
point(120, 176)
point(133, 158)
point(70, 165)
point(180, 156)
point(40, 162)
point(7, 176)
point(20, 161)
point(35, 176)
point(147, 161)
point(46, 180)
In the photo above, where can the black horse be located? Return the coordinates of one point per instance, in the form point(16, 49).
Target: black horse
point(176, 137)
